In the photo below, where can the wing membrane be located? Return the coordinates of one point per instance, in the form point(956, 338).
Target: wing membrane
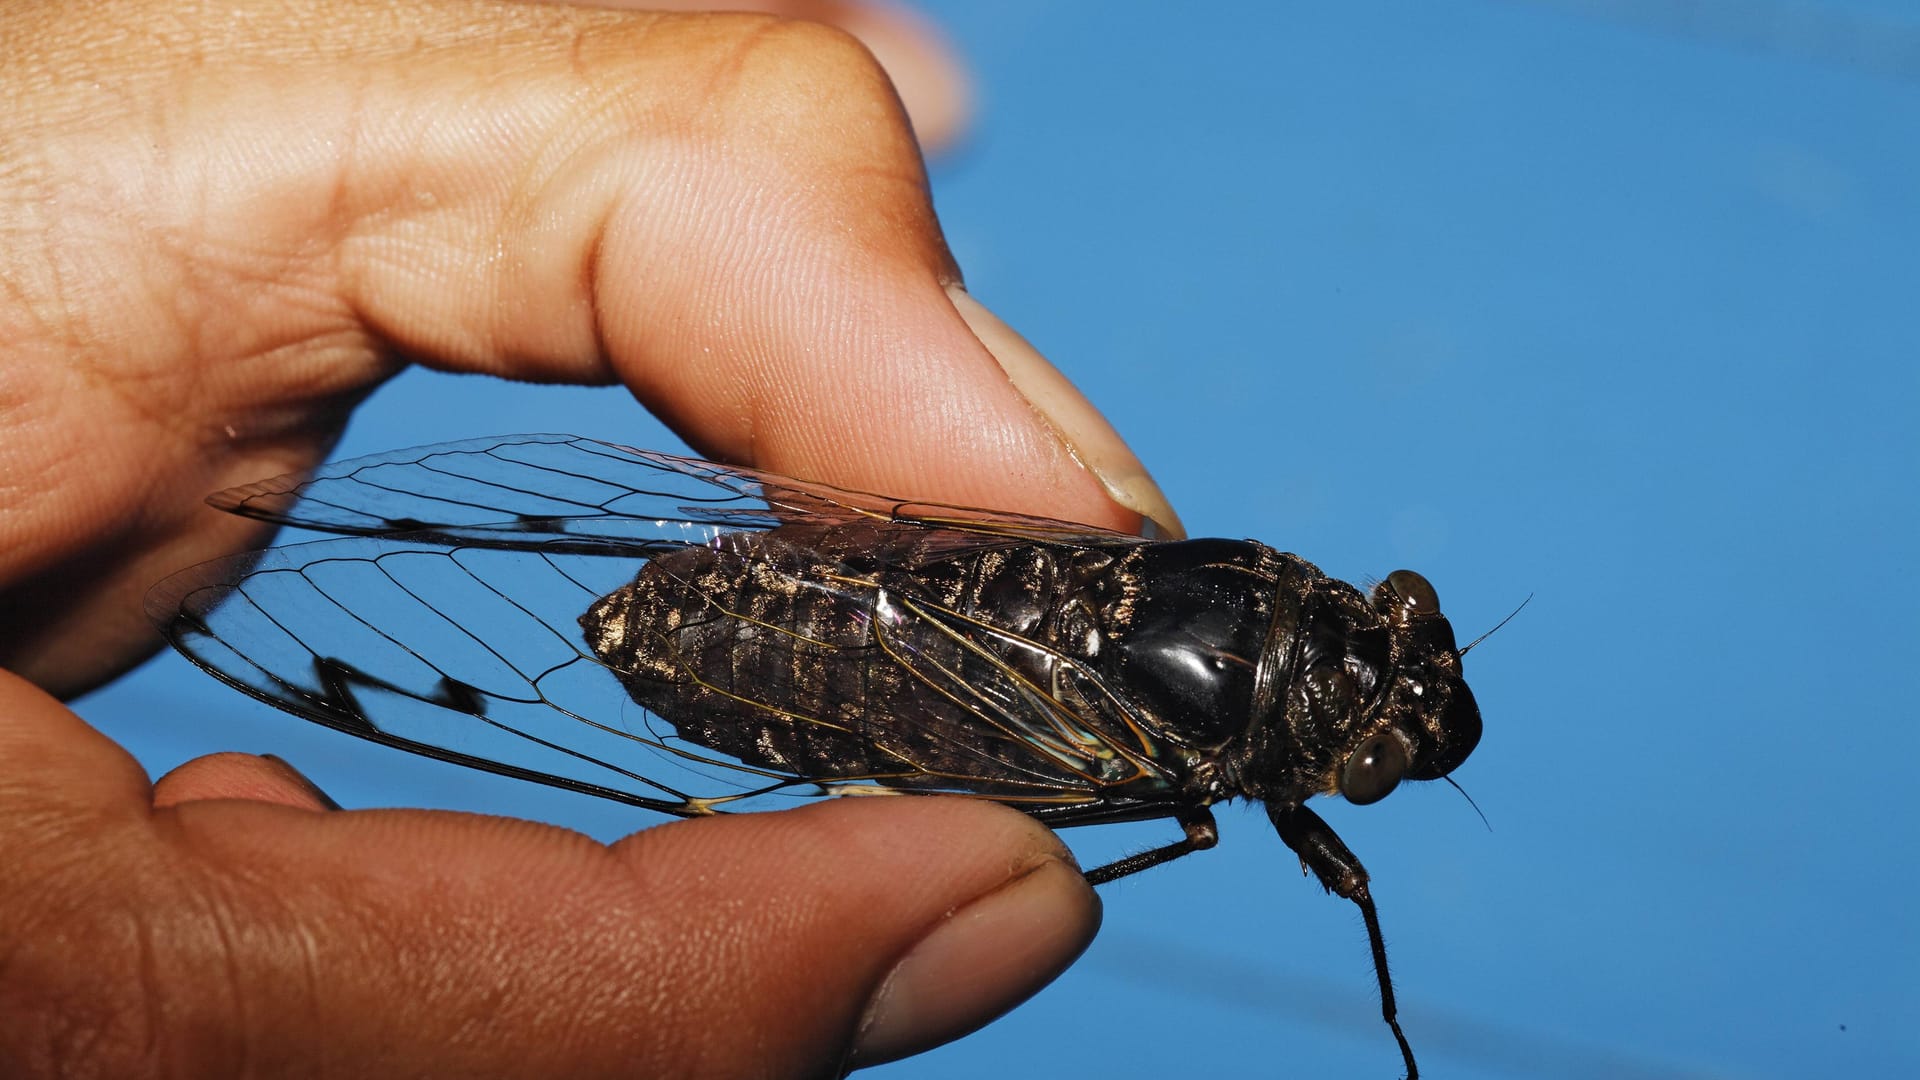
point(530, 489)
point(460, 635)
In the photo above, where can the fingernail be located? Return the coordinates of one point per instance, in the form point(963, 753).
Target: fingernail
point(313, 789)
point(1087, 434)
point(979, 962)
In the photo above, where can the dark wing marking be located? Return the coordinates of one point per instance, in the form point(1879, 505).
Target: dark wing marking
point(533, 489)
point(467, 655)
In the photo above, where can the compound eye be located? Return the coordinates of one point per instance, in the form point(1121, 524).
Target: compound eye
point(1407, 595)
point(1374, 770)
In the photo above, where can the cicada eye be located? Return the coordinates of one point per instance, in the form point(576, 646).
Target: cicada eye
point(1407, 596)
point(1374, 770)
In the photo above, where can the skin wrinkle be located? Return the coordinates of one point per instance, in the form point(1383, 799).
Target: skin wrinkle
point(314, 350)
point(576, 54)
point(791, 110)
point(588, 276)
point(260, 289)
point(485, 938)
point(232, 970)
point(367, 240)
point(128, 385)
point(722, 85)
point(486, 997)
point(189, 287)
point(655, 998)
point(159, 402)
point(21, 490)
point(173, 927)
point(257, 945)
point(605, 116)
point(150, 1030)
point(55, 313)
point(307, 948)
point(575, 1027)
point(25, 228)
point(348, 138)
point(522, 206)
point(667, 1003)
point(92, 1015)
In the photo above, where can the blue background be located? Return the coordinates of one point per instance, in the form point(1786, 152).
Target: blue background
point(1612, 304)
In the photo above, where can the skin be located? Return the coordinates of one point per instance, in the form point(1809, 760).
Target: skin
point(224, 226)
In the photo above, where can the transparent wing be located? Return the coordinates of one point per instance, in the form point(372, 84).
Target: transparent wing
point(529, 489)
point(470, 655)
point(467, 639)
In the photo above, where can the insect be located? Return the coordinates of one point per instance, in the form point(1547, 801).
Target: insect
point(695, 638)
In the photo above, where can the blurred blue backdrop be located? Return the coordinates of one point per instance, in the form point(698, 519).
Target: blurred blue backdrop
point(1609, 303)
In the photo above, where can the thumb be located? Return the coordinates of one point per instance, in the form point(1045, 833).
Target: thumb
point(216, 936)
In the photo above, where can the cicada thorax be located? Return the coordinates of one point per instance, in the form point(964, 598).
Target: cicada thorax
point(1228, 642)
point(1289, 683)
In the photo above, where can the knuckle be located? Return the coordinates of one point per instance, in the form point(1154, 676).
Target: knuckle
point(77, 987)
point(118, 967)
point(783, 87)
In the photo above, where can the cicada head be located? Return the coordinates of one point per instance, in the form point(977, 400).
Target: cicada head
point(1427, 723)
point(1358, 693)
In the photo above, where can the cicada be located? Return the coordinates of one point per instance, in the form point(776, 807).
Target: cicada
point(695, 638)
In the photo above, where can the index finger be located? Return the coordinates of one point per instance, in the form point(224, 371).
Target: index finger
point(754, 252)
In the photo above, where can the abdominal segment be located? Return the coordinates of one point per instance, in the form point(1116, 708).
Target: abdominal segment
point(852, 652)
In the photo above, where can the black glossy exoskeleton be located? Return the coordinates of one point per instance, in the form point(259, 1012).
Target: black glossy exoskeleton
point(695, 638)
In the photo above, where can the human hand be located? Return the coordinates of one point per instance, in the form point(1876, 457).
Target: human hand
point(224, 229)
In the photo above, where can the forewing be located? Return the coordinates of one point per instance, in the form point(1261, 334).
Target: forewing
point(526, 490)
point(474, 652)
point(471, 655)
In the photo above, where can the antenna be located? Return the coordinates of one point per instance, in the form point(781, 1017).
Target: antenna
point(1469, 798)
point(1496, 626)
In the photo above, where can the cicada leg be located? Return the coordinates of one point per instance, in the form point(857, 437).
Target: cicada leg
point(1201, 834)
point(1322, 851)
